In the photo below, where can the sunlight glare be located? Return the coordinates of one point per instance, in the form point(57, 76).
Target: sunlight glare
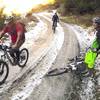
point(21, 6)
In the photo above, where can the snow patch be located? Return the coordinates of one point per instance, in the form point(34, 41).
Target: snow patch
point(36, 79)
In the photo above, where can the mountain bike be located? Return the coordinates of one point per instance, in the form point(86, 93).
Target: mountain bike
point(81, 65)
point(54, 26)
point(4, 71)
point(76, 66)
point(6, 56)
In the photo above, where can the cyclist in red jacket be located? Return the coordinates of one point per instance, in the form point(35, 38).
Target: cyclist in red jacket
point(16, 30)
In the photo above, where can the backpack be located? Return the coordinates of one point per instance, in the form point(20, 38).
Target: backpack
point(90, 58)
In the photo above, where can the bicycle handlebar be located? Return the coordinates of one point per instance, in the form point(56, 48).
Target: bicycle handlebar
point(5, 47)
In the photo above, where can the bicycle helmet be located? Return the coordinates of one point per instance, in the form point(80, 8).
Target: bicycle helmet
point(96, 20)
point(8, 19)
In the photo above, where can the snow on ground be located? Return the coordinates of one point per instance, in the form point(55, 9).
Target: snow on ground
point(34, 34)
point(36, 79)
point(31, 36)
point(83, 36)
point(85, 41)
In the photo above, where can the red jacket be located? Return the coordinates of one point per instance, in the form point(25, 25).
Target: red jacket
point(13, 30)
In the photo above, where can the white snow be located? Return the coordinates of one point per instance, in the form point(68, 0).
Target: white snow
point(83, 36)
point(84, 40)
point(34, 34)
point(31, 37)
point(37, 78)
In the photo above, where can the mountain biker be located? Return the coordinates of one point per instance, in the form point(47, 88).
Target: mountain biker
point(55, 19)
point(91, 54)
point(16, 30)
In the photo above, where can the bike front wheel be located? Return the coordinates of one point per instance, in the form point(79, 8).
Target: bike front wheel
point(23, 57)
point(4, 71)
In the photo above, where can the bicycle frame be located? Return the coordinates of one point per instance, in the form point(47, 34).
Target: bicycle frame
point(14, 61)
point(6, 54)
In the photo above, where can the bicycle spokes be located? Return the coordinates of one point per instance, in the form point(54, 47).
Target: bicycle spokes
point(23, 57)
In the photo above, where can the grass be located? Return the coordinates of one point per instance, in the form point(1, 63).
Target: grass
point(82, 20)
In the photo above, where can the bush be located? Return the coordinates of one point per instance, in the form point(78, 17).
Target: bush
point(80, 6)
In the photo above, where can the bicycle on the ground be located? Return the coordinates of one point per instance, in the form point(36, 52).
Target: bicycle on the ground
point(6, 56)
point(76, 65)
point(82, 65)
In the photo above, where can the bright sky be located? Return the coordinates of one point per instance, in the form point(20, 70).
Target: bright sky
point(21, 6)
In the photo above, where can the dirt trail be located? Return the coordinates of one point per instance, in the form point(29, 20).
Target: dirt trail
point(52, 88)
point(59, 87)
point(36, 51)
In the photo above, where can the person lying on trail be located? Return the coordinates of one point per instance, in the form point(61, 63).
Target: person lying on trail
point(16, 30)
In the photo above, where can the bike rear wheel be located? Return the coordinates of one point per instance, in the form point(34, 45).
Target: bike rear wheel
point(23, 57)
point(57, 71)
point(4, 71)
